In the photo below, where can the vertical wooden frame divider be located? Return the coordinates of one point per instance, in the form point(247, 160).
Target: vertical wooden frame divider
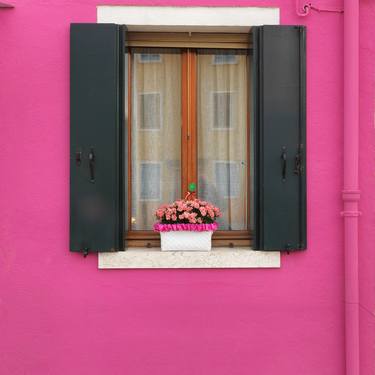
point(184, 119)
point(189, 121)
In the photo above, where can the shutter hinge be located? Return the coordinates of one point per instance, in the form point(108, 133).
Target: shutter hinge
point(85, 251)
point(92, 165)
point(78, 158)
point(298, 161)
point(283, 163)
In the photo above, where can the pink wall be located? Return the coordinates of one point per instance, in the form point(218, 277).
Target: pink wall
point(60, 315)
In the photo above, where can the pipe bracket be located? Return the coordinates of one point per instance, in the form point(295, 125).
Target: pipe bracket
point(351, 195)
point(304, 10)
point(351, 213)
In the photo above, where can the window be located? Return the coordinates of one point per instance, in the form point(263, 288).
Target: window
point(179, 107)
point(183, 141)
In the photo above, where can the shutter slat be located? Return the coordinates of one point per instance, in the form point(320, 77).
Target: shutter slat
point(96, 203)
point(279, 138)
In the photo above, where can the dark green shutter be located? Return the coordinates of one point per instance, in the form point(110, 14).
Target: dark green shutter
point(96, 147)
point(279, 137)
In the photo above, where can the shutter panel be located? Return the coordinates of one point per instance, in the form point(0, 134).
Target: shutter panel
point(96, 156)
point(279, 137)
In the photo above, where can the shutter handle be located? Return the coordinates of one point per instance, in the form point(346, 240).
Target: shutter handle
point(92, 165)
point(283, 163)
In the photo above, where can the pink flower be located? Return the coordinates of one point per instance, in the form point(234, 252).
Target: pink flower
point(182, 211)
point(203, 211)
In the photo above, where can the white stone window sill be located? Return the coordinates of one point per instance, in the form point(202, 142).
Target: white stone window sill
point(134, 258)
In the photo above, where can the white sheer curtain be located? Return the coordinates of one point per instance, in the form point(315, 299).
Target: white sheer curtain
point(223, 134)
point(155, 132)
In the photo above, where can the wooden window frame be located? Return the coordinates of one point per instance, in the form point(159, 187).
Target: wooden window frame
point(189, 40)
point(189, 145)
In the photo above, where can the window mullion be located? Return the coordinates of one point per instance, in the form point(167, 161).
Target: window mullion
point(184, 123)
point(192, 110)
point(189, 123)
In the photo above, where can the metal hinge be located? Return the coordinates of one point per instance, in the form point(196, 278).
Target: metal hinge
point(298, 161)
point(85, 251)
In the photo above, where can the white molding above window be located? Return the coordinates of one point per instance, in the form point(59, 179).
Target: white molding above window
point(197, 19)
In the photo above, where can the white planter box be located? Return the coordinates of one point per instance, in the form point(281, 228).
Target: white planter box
point(186, 240)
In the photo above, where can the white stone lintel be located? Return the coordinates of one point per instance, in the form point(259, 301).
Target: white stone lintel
point(197, 19)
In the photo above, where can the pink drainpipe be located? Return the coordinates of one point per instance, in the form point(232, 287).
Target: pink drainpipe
point(351, 193)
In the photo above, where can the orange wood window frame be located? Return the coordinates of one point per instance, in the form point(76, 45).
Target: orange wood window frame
point(189, 157)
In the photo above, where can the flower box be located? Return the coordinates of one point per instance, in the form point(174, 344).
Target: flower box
point(185, 240)
point(185, 237)
point(186, 224)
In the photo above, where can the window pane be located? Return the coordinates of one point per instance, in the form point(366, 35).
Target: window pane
point(222, 109)
point(227, 179)
point(149, 110)
point(223, 134)
point(155, 132)
point(227, 58)
point(150, 181)
point(149, 57)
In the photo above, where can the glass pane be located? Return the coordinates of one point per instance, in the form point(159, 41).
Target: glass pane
point(155, 132)
point(150, 181)
point(223, 134)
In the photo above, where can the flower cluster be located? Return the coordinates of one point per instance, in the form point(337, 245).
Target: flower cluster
point(188, 212)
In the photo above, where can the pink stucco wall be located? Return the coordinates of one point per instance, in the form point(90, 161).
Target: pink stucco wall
point(60, 315)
